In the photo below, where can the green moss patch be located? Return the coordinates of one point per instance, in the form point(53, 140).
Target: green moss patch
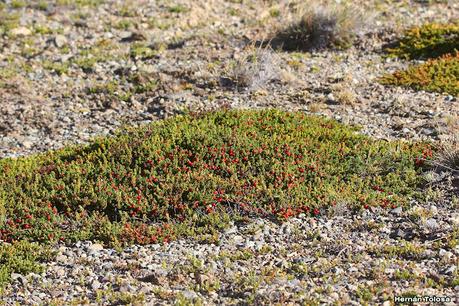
point(438, 75)
point(439, 43)
point(428, 41)
point(8, 21)
point(21, 257)
point(193, 173)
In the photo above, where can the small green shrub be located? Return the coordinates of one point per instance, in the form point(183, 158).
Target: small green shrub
point(17, 4)
point(134, 83)
point(43, 30)
point(123, 24)
point(428, 41)
point(177, 9)
point(405, 249)
point(42, 5)
point(437, 75)
point(81, 3)
point(142, 51)
point(57, 67)
point(21, 257)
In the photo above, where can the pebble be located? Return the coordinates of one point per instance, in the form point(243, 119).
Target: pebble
point(431, 224)
point(95, 285)
point(190, 295)
point(96, 247)
point(21, 31)
point(397, 211)
point(454, 218)
point(61, 258)
point(60, 41)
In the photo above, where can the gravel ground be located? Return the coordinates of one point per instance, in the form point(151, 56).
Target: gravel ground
point(71, 72)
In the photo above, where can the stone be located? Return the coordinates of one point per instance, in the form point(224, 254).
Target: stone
point(190, 295)
point(203, 278)
point(454, 218)
point(20, 278)
point(27, 144)
point(61, 258)
point(60, 41)
point(96, 247)
point(159, 277)
point(128, 36)
point(450, 270)
point(431, 224)
point(231, 230)
point(21, 31)
point(397, 210)
point(238, 238)
point(334, 296)
point(95, 285)
point(60, 272)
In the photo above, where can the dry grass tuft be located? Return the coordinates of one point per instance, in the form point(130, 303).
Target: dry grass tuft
point(343, 94)
point(447, 157)
point(321, 26)
point(254, 69)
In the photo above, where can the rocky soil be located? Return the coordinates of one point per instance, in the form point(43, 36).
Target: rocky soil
point(69, 72)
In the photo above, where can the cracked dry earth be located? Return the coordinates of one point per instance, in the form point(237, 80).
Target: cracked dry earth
point(74, 71)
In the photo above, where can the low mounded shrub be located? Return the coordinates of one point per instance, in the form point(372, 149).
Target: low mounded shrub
point(21, 257)
point(265, 162)
point(439, 43)
point(437, 75)
point(430, 40)
point(194, 173)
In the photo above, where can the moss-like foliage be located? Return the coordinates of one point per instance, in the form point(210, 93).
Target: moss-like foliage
point(183, 167)
point(21, 257)
point(428, 41)
point(440, 44)
point(196, 171)
point(437, 75)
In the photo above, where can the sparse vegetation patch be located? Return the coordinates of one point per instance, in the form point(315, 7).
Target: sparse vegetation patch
point(321, 26)
point(254, 69)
